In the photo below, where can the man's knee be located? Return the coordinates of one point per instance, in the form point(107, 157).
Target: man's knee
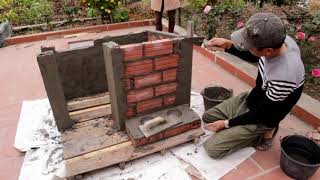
point(208, 118)
point(205, 118)
point(214, 151)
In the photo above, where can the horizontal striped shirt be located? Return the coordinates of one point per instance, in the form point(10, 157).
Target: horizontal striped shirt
point(279, 85)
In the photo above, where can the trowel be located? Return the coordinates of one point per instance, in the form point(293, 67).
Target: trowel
point(211, 48)
point(159, 124)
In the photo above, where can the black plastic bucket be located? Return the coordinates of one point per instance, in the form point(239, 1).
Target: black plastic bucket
point(300, 157)
point(214, 95)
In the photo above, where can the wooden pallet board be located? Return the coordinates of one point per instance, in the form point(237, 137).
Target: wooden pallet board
point(123, 152)
point(90, 101)
point(90, 113)
point(90, 107)
point(93, 129)
point(97, 135)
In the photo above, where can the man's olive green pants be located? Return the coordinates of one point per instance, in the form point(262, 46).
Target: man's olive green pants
point(232, 139)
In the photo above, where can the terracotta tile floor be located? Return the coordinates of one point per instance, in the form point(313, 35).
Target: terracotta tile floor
point(21, 80)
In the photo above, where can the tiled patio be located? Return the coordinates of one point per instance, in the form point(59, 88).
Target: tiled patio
point(21, 80)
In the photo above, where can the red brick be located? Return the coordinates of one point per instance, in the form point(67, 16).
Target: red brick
point(147, 80)
point(169, 100)
point(305, 116)
point(132, 51)
point(166, 88)
point(149, 104)
point(135, 24)
point(159, 47)
point(225, 65)
point(135, 96)
point(208, 54)
point(128, 84)
point(139, 68)
point(105, 27)
point(169, 75)
point(130, 112)
point(167, 62)
point(149, 22)
point(117, 26)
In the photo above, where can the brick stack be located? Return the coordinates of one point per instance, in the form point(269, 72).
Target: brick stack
point(150, 76)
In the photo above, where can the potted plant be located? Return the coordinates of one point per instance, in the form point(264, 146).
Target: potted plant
point(5, 31)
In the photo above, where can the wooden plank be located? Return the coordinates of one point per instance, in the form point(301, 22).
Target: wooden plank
point(97, 134)
point(123, 152)
point(90, 101)
point(90, 138)
point(113, 57)
point(87, 123)
point(88, 144)
point(90, 113)
point(51, 79)
point(98, 128)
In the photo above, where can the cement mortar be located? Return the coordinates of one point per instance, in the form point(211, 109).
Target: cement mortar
point(187, 116)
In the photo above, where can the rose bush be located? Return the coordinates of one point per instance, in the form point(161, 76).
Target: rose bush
point(301, 36)
point(240, 24)
point(315, 73)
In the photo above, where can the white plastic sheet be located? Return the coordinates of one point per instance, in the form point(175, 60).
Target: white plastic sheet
point(37, 134)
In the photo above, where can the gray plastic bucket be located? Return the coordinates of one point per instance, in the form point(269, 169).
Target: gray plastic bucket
point(300, 157)
point(214, 95)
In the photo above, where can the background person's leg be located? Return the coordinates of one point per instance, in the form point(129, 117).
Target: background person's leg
point(159, 18)
point(158, 21)
point(172, 20)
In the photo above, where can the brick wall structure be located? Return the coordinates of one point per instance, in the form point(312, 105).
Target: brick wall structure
point(148, 77)
point(150, 70)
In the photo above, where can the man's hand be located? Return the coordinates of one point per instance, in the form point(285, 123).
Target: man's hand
point(216, 126)
point(220, 42)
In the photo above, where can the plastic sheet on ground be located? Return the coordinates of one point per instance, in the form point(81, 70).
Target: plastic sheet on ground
point(37, 134)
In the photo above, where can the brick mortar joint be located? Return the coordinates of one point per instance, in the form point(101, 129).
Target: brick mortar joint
point(154, 86)
point(162, 96)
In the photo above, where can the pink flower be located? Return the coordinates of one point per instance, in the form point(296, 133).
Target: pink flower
point(301, 36)
point(312, 39)
point(240, 24)
point(207, 9)
point(315, 73)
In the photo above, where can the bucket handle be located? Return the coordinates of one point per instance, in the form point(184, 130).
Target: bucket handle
point(214, 85)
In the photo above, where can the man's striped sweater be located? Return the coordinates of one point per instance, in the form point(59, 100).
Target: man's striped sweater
point(278, 87)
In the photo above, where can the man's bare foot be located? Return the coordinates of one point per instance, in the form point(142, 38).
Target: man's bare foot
point(265, 145)
point(267, 140)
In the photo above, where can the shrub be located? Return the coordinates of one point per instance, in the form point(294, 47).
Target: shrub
point(120, 15)
point(197, 4)
point(104, 7)
point(216, 15)
point(29, 12)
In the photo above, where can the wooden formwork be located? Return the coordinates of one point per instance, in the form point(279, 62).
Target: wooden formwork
point(78, 88)
point(92, 143)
